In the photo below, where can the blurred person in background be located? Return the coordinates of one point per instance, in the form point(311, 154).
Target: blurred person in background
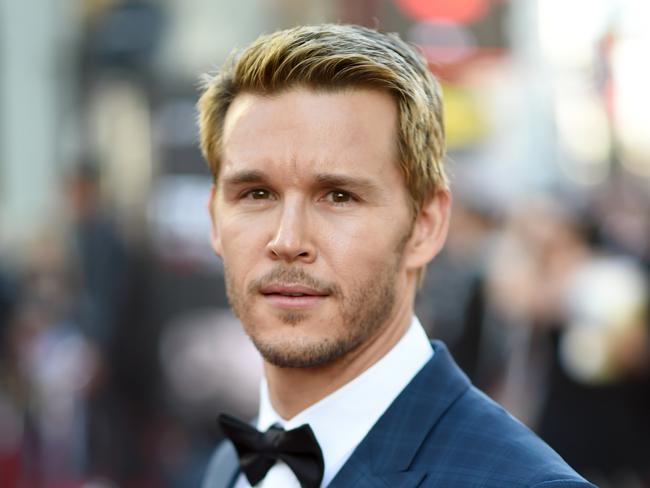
point(324, 238)
point(452, 301)
point(98, 257)
point(576, 328)
point(57, 405)
point(49, 363)
point(97, 253)
point(10, 399)
point(8, 299)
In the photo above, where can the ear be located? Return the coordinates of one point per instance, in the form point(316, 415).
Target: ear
point(429, 230)
point(215, 235)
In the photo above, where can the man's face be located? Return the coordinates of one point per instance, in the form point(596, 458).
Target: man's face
point(312, 220)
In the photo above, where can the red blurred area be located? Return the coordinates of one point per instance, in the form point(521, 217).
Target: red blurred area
point(463, 11)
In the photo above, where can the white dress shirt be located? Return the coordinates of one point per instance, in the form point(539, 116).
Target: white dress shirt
point(342, 419)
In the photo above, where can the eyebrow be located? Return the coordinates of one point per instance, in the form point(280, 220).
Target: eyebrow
point(322, 179)
point(245, 176)
point(345, 181)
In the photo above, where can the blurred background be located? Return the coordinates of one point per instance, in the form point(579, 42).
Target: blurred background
point(117, 349)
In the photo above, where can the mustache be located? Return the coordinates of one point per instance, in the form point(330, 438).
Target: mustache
point(293, 276)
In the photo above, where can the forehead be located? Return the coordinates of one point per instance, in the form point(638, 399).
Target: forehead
point(300, 130)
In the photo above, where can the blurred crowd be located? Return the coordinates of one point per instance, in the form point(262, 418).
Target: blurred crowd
point(545, 305)
point(117, 348)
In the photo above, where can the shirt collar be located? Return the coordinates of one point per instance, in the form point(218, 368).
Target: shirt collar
point(342, 419)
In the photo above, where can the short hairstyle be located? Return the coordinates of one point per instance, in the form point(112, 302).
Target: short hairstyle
point(333, 57)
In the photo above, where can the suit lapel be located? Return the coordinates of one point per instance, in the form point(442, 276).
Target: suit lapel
point(385, 455)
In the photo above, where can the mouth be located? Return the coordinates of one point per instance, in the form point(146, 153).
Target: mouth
point(293, 296)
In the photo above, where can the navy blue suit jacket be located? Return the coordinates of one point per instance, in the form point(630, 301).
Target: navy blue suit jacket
point(439, 432)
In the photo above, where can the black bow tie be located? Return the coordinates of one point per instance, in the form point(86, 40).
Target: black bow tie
point(258, 451)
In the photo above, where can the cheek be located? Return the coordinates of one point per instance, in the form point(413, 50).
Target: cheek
point(239, 234)
point(241, 248)
point(356, 251)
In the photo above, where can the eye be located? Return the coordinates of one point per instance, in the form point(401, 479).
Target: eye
point(339, 196)
point(257, 194)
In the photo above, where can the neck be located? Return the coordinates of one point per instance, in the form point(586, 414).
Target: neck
point(292, 390)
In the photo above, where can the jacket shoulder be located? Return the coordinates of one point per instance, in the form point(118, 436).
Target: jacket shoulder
point(478, 443)
point(222, 468)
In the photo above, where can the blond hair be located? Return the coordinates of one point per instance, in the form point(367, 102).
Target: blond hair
point(334, 57)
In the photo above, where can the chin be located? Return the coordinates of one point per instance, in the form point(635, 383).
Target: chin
point(301, 352)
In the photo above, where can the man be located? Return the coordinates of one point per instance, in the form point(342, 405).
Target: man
point(329, 199)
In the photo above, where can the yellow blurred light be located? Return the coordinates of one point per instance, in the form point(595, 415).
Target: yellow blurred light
point(464, 121)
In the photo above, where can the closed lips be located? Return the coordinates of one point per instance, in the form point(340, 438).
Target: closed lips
point(291, 291)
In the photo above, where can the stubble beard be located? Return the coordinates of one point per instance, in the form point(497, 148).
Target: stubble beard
point(361, 314)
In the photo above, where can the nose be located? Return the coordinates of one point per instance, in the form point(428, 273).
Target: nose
point(292, 240)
